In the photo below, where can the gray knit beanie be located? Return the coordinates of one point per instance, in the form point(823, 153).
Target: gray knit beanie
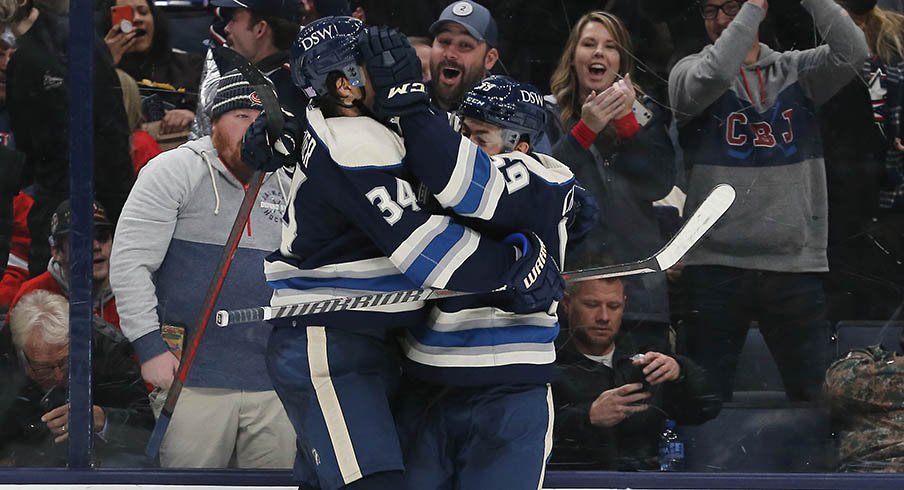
point(234, 92)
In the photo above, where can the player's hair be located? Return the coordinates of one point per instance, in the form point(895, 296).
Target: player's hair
point(43, 310)
point(885, 34)
point(284, 31)
point(329, 104)
point(564, 81)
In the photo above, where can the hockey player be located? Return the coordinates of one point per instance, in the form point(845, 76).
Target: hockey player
point(475, 360)
point(354, 227)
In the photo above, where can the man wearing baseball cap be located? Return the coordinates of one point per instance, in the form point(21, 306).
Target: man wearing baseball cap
point(56, 278)
point(169, 240)
point(465, 36)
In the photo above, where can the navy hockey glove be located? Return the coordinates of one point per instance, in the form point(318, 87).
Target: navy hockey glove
point(583, 217)
point(260, 154)
point(394, 71)
point(535, 276)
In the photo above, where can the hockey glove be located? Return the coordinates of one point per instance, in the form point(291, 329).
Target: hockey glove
point(534, 278)
point(260, 154)
point(583, 217)
point(394, 71)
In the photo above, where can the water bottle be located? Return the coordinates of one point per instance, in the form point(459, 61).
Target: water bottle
point(671, 450)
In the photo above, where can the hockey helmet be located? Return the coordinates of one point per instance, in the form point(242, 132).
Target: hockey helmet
point(514, 106)
point(324, 46)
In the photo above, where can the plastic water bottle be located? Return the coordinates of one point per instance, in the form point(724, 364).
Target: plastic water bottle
point(671, 450)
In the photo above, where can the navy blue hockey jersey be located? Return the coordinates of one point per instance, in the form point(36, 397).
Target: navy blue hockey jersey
point(353, 227)
point(474, 340)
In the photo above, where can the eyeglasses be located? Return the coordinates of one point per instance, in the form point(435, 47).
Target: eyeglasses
point(731, 9)
point(46, 368)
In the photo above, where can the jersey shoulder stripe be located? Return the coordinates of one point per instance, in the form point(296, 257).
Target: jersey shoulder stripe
point(356, 142)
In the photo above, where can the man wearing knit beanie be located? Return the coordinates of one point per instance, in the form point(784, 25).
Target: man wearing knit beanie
point(169, 240)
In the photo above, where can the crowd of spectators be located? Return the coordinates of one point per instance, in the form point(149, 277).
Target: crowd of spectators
point(796, 104)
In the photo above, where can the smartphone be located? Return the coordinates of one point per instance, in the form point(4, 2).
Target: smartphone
point(123, 16)
point(642, 114)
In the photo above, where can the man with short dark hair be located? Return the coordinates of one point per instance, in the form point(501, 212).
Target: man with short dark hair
point(608, 382)
point(463, 52)
point(261, 31)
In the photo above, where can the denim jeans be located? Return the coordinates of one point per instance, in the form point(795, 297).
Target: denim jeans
point(790, 309)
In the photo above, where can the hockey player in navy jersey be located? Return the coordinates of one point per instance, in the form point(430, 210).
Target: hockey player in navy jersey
point(354, 226)
point(475, 409)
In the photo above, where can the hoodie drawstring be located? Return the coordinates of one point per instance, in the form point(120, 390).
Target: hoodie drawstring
point(213, 181)
point(759, 75)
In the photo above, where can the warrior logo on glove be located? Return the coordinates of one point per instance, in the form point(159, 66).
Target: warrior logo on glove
point(538, 267)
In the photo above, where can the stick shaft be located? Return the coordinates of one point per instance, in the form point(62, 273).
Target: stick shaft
point(213, 291)
point(710, 210)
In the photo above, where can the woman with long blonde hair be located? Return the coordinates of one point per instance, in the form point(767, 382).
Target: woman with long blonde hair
point(619, 150)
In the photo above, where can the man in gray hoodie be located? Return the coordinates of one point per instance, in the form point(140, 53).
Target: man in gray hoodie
point(169, 239)
point(746, 116)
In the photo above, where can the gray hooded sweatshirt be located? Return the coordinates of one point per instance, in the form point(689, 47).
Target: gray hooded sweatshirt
point(168, 242)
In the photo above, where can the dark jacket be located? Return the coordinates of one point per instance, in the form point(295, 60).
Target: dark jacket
point(632, 444)
point(37, 95)
point(117, 387)
point(625, 179)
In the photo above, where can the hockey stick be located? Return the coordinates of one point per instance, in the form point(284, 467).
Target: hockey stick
point(710, 210)
point(275, 123)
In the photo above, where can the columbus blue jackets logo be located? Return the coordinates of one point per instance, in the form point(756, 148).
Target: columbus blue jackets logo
point(255, 99)
point(271, 202)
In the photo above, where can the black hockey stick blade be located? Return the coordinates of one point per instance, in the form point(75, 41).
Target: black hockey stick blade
point(710, 210)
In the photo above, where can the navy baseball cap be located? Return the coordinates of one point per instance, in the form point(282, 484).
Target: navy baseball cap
point(286, 9)
point(474, 17)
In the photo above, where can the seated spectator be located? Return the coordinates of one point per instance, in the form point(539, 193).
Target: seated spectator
point(16, 271)
point(613, 394)
point(34, 428)
point(144, 146)
point(864, 391)
point(170, 75)
point(56, 279)
point(38, 101)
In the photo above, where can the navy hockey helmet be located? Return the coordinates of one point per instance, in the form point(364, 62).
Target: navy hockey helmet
point(514, 106)
point(322, 47)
